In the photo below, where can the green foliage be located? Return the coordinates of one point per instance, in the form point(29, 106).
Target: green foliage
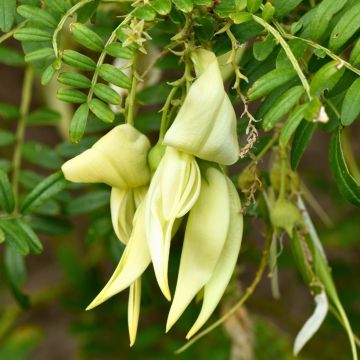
point(291, 69)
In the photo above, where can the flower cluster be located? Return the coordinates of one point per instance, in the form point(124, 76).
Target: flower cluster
point(188, 180)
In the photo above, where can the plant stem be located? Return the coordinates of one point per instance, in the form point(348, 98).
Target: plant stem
point(10, 33)
point(101, 59)
point(62, 21)
point(165, 111)
point(287, 50)
point(20, 131)
point(131, 97)
point(282, 174)
point(317, 46)
point(247, 294)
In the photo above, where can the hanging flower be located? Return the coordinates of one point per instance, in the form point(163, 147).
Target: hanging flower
point(119, 159)
point(211, 247)
point(206, 123)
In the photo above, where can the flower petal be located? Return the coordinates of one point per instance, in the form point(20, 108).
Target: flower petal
point(118, 159)
point(122, 212)
point(173, 191)
point(313, 324)
point(134, 309)
point(206, 123)
point(216, 286)
point(205, 236)
point(133, 262)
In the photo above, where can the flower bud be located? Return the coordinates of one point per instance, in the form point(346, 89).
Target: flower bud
point(285, 215)
point(155, 155)
point(118, 159)
point(206, 123)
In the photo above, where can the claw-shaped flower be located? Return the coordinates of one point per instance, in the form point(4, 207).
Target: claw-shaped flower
point(206, 123)
point(173, 191)
point(119, 159)
point(211, 247)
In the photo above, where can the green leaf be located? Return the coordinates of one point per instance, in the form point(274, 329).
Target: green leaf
point(87, 11)
point(50, 225)
point(7, 201)
point(298, 48)
point(37, 15)
point(253, 5)
point(6, 137)
point(11, 57)
point(9, 111)
point(345, 182)
point(20, 344)
point(39, 54)
point(145, 12)
point(240, 17)
point(87, 37)
point(30, 236)
point(32, 34)
point(302, 138)
point(89, 202)
point(162, 7)
point(79, 61)
point(350, 109)
point(270, 81)
point(322, 16)
point(74, 79)
point(346, 27)
point(291, 125)
point(117, 50)
point(107, 94)
point(7, 14)
point(15, 272)
point(184, 5)
point(282, 106)
point(78, 123)
point(227, 7)
point(283, 7)
point(262, 49)
point(355, 54)
point(29, 179)
point(71, 96)
point(14, 237)
point(156, 94)
point(115, 76)
point(48, 74)
point(268, 12)
point(59, 6)
point(327, 77)
point(42, 155)
point(43, 116)
point(101, 110)
point(43, 192)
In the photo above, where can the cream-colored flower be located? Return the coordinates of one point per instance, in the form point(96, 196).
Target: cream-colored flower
point(173, 191)
point(206, 123)
point(118, 159)
point(211, 247)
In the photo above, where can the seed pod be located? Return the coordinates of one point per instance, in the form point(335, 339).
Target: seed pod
point(101, 110)
point(87, 37)
point(107, 94)
point(79, 61)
